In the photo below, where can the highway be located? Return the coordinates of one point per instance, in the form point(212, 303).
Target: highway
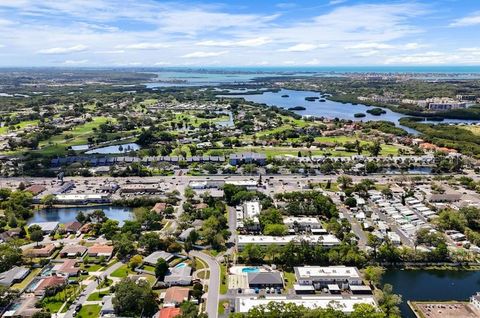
point(213, 283)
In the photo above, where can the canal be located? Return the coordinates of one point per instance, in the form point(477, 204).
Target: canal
point(432, 285)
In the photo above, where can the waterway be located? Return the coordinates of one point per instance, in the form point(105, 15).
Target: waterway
point(328, 108)
point(432, 285)
point(65, 215)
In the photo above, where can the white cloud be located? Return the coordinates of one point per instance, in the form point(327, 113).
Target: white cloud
point(473, 19)
point(368, 53)
point(111, 52)
point(304, 47)
point(161, 63)
point(143, 46)
point(64, 50)
point(1, 45)
point(286, 5)
point(201, 54)
point(314, 61)
point(75, 62)
point(336, 2)
point(412, 46)
point(372, 45)
point(240, 43)
point(435, 58)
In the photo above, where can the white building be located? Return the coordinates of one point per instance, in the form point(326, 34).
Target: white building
point(320, 277)
point(244, 304)
point(303, 222)
point(328, 240)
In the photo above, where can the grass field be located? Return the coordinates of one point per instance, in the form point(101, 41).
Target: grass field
point(80, 134)
point(22, 124)
point(122, 272)
point(289, 279)
point(98, 296)
point(89, 311)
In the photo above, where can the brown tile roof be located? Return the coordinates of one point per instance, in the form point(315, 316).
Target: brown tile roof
point(73, 226)
point(43, 251)
point(100, 249)
point(176, 295)
point(68, 267)
point(49, 282)
point(159, 207)
point(36, 189)
point(169, 312)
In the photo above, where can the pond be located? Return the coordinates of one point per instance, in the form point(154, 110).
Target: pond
point(432, 285)
point(116, 149)
point(328, 108)
point(65, 215)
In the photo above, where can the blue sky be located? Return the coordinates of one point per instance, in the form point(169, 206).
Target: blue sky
point(238, 33)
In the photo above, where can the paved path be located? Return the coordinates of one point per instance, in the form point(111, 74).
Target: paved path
point(91, 287)
point(213, 283)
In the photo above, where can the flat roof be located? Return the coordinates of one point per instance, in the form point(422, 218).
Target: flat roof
point(335, 302)
point(306, 272)
point(327, 239)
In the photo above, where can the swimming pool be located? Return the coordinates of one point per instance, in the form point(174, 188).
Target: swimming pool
point(250, 270)
point(181, 265)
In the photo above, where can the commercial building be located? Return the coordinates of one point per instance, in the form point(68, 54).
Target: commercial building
point(320, 277)
point(83, 198)
point(302, 223)
point(238, 159)
point(247, 217)
point(327, 240)
point(337, 302)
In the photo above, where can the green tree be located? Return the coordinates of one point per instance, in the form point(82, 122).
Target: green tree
point(35, 233)
point(344, 181)
point(9, 257)
point(134, 299)
point(275, 229)
point(388, 301)
point(48, 200)
point(161, 269)
point(135, 261)
point(374, 274)
point(109, 229)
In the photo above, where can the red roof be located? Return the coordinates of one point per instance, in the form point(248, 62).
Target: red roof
point(100, 249)
point(49, 282)
point(176, 295)
point(159, 207)
point(169, 312)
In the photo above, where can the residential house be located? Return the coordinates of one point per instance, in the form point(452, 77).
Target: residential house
point(265, 279)
point(73, 250)
point(174, 296)
point(99, 250)
point(155, 256)
point(179, 275)
point(13, 276)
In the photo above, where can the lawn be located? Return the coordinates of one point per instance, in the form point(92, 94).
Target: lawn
point(289, 279)
point(149, 268)
point(221, 306)
point(55, 302)
point(89, 311)
point(98, 296)
point(23, 284)
point(223, 279)
point(122, 272)
point(22, 124)
point(92, 267)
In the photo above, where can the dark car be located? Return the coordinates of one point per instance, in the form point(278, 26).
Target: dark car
point(78, 307)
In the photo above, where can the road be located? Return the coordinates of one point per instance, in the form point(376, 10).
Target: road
point(213, 283)
point(90, 289)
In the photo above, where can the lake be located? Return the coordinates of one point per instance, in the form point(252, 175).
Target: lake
point(65, 215)
point(432, 285)
point(115, 149)
point(327, 109)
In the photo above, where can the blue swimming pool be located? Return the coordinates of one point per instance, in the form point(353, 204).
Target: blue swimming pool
point(250, 270)
point(181, 265)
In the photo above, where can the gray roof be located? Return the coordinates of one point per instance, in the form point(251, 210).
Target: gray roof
point(265, 278)
point(176, 273)
point(17, 273)
point(46, 226)
point(155, 256)
point(107, 306)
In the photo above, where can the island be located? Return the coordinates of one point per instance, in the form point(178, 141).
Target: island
point(297, 108)
point(311, 98)
point(359, 115)
point(376, 111)
point(285, 96)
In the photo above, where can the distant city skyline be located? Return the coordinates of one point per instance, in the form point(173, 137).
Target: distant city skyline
point(148, 33)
